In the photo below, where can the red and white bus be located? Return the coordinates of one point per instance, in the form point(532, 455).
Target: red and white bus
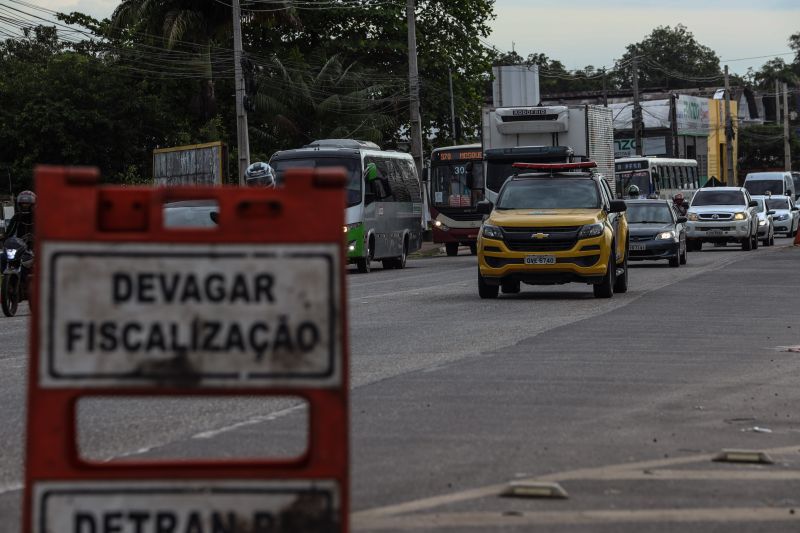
point(456, 186)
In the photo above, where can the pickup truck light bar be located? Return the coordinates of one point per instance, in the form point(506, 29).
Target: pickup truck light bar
point(555, 167)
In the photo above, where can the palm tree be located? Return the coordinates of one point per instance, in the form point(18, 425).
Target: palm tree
point(297, 103)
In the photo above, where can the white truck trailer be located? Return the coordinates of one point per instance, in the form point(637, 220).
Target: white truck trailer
point(545, 134)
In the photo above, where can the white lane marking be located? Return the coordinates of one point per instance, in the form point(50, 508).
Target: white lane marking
point(464, 520)
point(249, 422)
point(11, 487)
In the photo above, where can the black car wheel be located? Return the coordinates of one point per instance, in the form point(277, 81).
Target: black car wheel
point(605, 289)
point(485, 290)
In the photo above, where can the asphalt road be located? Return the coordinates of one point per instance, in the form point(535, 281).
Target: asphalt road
point(622, 401)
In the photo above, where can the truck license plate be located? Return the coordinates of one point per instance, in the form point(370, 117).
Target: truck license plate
point(540, 260)
point(715, 232)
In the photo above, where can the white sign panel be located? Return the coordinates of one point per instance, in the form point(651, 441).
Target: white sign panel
point(189, 315)
point(190, 506)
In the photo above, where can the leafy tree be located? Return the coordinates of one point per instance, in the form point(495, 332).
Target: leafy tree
point(670, 58)
point(299, 103)
point(62, 106)
point(761, 147)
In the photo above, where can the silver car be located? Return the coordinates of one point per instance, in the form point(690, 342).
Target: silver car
point(786, 217)
point(722, 215)
point(766, 227)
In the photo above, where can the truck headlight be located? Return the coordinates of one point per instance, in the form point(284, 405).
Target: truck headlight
point(491, 232)
point(740, 216)
point(591, 230)
point(692, 217)
point(762, 222)
point(665, 235)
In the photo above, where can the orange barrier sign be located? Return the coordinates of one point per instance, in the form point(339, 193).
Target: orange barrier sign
point(130, 303)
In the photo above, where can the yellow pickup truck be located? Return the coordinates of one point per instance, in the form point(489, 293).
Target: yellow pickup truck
point(553, 223)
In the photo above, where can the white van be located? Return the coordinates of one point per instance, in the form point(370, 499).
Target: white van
point(765, 183)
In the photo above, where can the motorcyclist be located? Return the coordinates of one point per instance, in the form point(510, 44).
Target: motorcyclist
point(680, 205)
point(21, 227)
point(259, 174)
point(21, 224)
point(633, 192)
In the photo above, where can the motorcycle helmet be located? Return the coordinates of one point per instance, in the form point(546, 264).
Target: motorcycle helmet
point(26, 200)
point(259, 174)
point(633, 191)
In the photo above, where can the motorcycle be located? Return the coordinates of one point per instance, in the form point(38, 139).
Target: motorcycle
point(17, 265)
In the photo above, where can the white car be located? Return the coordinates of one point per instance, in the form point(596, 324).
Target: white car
point(722, 215)
point(766, 227)
point(787, 215)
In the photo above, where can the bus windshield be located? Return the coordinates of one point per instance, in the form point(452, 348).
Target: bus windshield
point(351, 165)
point(457, 184)
point(640, 178)
point(545, 193)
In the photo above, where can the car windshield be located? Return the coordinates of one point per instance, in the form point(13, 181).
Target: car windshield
point(458, 184)
point(718, 198)
point(648, 213)
point(778, 203)
point(351, 165)
point(774, 186)
point(549, 193)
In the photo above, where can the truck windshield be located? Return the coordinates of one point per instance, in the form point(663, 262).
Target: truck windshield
point(763, 187)
point(718, 198)
point(351, 165)
point(546, 193)
point(458, 184)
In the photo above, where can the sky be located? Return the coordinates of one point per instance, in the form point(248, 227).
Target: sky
point(589, 32)
point(595, 33)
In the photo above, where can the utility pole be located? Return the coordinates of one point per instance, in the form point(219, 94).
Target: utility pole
point(777, 103)
point(413, 81)
point(637, 110)
point(452, 107)
point(242, 139)
point(673, 123)
point(605, 91)
point(787, 156)
point(731, 181)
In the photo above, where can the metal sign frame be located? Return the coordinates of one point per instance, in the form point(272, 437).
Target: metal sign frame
point(74, 208)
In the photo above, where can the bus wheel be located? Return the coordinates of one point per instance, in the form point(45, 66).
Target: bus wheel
point(451, 248)
point(364, 264)
point(397, 262)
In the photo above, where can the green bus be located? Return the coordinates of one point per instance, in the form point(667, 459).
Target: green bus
point(384, 208)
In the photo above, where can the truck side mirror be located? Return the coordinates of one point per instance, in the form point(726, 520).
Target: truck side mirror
point(485, 207)
point(618, 206)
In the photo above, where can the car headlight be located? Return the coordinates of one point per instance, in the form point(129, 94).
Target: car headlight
point(591, 230)
point(762, 222)
point(665, 235)
point(692, 217)
point(782, 217)
point(441, 225)
point(491, 232)
point(11, 253)
point(740, 216)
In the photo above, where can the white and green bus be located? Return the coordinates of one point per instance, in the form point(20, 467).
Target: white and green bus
point(384, 217)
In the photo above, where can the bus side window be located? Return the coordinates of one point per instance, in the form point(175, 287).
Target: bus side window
point(399, 188)
point(409, 175)
point(380, 186)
